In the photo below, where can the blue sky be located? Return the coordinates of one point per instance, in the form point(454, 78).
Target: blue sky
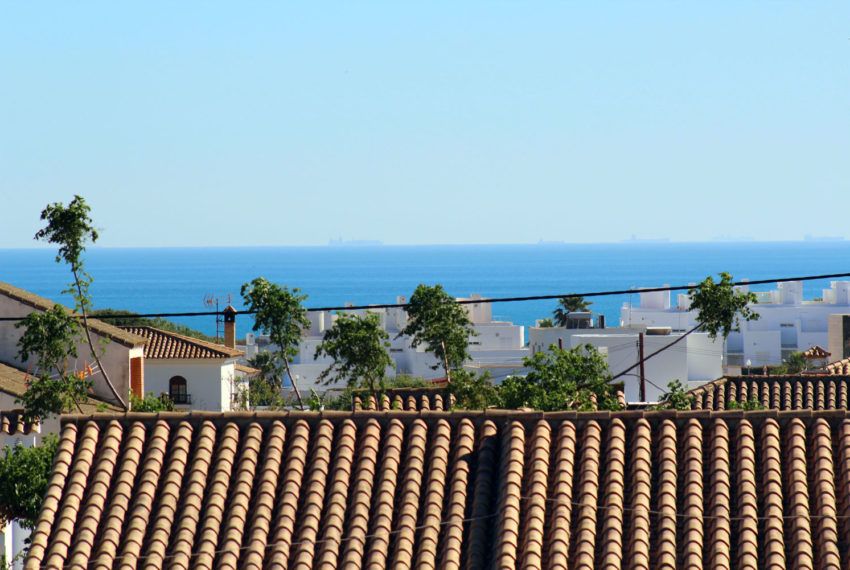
point(202, 123)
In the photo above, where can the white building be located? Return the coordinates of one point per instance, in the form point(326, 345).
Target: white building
point(693, 360)
point(787, 322)
point(195, 374)
point(498, 346)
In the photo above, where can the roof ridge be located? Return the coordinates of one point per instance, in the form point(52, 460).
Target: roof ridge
point(42, 303)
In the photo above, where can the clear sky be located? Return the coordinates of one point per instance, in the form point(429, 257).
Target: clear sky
point(202, 123)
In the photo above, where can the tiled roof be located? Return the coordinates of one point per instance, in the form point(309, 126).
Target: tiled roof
point(816, 352)
point(775, 392)
point(12, 423)
point(410, 399)
point(417, 490)
point(166, 344)
point(839, 367)
point(13, 381)
point(42, 304)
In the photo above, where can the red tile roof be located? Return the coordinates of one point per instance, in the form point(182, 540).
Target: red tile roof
point(775, 392)
point(410, 399)
point(166, 344)
point(816, 352)
point(12, 423)
point(474, 490)
point(839, 367)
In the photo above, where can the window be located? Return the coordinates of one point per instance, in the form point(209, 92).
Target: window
point(177, 390)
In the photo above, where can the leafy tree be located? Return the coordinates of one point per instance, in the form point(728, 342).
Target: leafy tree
point(279, 313)
point(358, 346)
point(24, 476)
point(562, 380)
point(71, 229)
point(122, 318)
point(676, 397)
point(151, 403)
point(473, 391)
point(50, 338)
point(567, 305)
point(261, 394)
point(545, 323)
point(796, 363)
point(720, 309)
point(436, 320)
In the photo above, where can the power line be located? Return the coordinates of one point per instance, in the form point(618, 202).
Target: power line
point(474, 301)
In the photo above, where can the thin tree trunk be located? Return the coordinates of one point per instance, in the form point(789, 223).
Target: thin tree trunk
point(294, 383)
point(660, 350)
point(446, 363)
point(91, 344)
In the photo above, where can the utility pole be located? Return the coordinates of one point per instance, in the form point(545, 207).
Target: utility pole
point(642, 368)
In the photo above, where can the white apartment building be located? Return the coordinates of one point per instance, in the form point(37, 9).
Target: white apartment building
point(787, 322)
point(693, 360)
point(498, 346)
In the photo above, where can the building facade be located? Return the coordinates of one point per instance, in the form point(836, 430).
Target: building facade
point(787, 322)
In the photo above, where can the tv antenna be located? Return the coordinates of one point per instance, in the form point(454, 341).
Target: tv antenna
point(213, 301)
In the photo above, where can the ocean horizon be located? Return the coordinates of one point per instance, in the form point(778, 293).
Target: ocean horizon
point(179, 279)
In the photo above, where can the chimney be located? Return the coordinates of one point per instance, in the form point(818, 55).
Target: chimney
point(230, 327)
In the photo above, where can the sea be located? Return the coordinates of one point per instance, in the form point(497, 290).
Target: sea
point(157, 280)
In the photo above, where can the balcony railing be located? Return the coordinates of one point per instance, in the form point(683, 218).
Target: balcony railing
point(181, 399)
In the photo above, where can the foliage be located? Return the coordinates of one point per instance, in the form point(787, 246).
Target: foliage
point(473, 391)
point(720, 307)
point(151, 403)
point(358, 346)
point(676, 397)
point(51, 336)
point(567, 305)
point(269, 366)
point(131, 319)
point(261, 394)
point(24, 476)
point(46, 396)
point(751, 404)
point(545, 323)
point(279, 313)
point(331, 400)
point(71, 228)
point(796, 363)
point(560, 380)
point(441, 324)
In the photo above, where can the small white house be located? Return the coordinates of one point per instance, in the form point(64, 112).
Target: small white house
point(195, 374)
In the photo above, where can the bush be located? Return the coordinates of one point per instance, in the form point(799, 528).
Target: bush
point(24, 475)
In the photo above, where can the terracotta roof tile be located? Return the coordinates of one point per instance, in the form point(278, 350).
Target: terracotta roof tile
point(839, 367)
point(816, 352)
point(40, 303)
point(457, 490)
point(166, 344)
point(774, 392)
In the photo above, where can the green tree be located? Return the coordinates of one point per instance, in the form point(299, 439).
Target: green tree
point(279, 313)
point(676, 397)
point(562, 380)
point(796, 363)
point(50, 339)
point(151, 403)
point(545, 323)
point(71, 229)
point(720, 309)
point(567, 305)
point(436, 320)
point(24, 476)
point(358, 346)
point(473, 391)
